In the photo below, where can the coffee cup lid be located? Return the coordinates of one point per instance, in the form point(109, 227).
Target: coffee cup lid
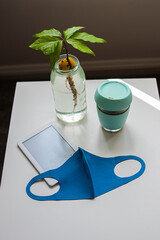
point(113, 96)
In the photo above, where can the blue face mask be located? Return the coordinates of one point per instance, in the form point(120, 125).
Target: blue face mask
point(85, 176)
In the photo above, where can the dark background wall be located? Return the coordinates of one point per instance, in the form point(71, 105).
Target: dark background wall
point(131, 28)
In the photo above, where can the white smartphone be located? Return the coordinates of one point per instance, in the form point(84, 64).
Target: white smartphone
point(47, 149)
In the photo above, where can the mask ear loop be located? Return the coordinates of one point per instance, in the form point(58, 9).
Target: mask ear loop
point(35, 179)
point(130, 157)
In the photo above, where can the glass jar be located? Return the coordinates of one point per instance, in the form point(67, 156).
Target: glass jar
point(69, 91)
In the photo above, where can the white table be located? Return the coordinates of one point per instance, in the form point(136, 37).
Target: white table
point(127, 213)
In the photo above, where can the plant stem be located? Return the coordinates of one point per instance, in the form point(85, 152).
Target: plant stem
point(67, 54)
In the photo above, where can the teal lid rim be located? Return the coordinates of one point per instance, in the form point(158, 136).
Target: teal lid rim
point(111, 104)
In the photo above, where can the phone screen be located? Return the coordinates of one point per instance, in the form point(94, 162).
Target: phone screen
point(49, 148)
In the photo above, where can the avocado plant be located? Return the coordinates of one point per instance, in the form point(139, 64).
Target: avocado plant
point(51, 43)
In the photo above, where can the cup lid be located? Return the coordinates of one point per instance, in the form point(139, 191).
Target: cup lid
point(113, 96)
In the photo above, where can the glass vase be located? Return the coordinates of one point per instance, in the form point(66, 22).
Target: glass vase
point(69, 91)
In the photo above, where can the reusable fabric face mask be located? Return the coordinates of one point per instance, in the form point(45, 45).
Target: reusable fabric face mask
point(85, 176)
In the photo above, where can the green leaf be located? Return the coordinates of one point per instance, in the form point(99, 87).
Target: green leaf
point(81, 46)
point(55, 55)
point(68, 32)
point(51, 32)
point(46, 44)
point(87, 37)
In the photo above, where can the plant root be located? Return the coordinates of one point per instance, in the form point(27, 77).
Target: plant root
point(70, 80)
point(66, 84)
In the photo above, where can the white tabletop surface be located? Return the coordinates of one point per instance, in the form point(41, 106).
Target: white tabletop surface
point(127, 213)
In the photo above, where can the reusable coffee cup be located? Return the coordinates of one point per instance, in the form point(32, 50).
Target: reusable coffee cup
point(113, 99)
